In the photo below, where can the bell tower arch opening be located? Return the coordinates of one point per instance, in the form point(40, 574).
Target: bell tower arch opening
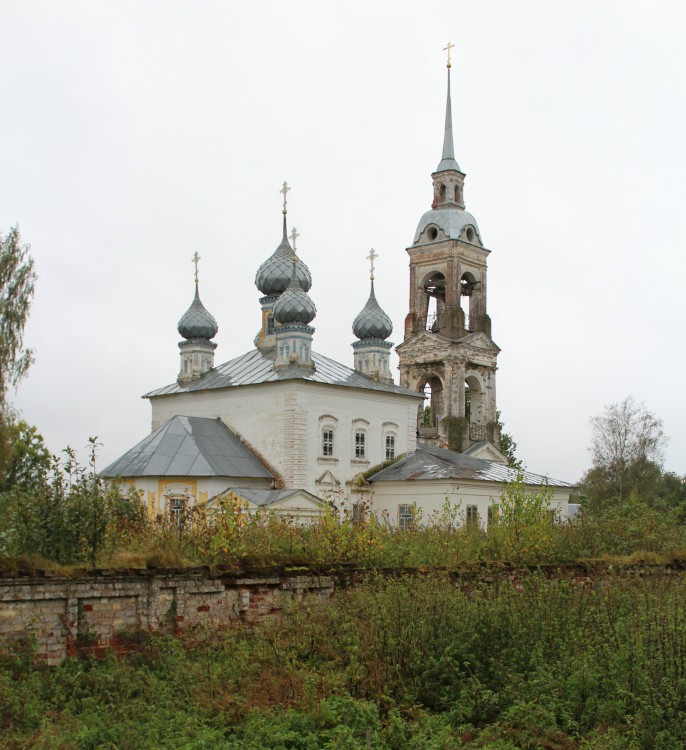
point(468, 285)
point(475, 408)
point(434, 301)
point(433, 410)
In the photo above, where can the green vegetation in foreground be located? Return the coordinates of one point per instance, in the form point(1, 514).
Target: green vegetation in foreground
point(415, 661)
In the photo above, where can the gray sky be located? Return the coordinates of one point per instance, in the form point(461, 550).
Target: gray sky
point(134, 133)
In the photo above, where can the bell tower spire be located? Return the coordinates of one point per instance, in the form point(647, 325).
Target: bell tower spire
point(448, 156)
point(448, 352)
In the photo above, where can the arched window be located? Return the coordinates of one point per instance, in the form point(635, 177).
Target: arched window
point(327, 437)
point(390, 435)
point(360, 448)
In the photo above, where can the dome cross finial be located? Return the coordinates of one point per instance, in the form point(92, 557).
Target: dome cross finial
point(371, 258)
point(448, 48)
point(284, 191)
point(195, 259)
point(294, 237)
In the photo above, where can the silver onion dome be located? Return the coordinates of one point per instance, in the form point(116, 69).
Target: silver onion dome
point(372, 322)
point(294, 305)
point(274, 275)
point(196, 322)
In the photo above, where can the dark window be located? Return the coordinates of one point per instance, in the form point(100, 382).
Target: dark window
point(360, 440)
point(327, 442)
point(390, 447)
point(177, 510)
point(405, 517)
point(472, 515)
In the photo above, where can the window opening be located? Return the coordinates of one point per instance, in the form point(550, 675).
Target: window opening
point(434, 291)
point(468, 284)
point(270, 325)
point(360, 440)
point(177, 510)
point(327, 443)
point(390, 447)
point(472, 515)
point(492, 516)
point(405, 517)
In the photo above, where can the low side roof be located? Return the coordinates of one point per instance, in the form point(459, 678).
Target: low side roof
point(189, 447)
point(430, 462)
point(253, 368)
point(268, 497)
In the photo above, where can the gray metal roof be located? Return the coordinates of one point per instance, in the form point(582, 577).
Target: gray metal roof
point(372, 322)
point(452, 220)
point(431, 462)
point(196, 322)
point(189, 447)
point(254, 368)
point(267, 497)
point(274, 275)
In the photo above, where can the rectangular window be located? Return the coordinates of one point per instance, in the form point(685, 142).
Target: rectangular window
point(327, 443)
point(492, 516)
point(472, 515)
point(405, 517)
point(177, 510)
point(360, 439)
point(390, 447)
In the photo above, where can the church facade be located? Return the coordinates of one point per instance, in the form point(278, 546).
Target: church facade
point(288, 419)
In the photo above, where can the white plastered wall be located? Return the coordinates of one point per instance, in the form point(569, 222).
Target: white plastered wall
point(282, 422)
point(431, 495)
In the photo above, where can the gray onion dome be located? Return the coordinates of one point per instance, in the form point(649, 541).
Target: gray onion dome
point(294, 305)
point(372, 322)
point(196, 322)
point(274, 275)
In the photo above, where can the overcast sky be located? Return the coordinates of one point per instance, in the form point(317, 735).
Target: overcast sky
point(134, 133)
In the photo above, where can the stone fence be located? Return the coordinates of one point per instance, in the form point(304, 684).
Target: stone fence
point(100, 609)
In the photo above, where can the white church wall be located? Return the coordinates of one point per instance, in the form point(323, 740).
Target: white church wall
point(283, 422)
point(431, 495)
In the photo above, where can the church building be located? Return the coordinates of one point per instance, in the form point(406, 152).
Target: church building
point(286, 428)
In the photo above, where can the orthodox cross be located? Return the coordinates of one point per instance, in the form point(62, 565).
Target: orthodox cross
point(371, 258)
point(448, 48)
point(294, 237)
point(284, 190)
point(195, 260)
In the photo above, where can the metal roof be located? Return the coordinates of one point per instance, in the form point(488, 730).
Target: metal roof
point(253, 368)
point(451, 219)
point(189, 447)
point(267, 497)
point(431, 462)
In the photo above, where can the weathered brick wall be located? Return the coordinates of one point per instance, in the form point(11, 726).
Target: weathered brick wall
point(95, 611)
point(90, 613)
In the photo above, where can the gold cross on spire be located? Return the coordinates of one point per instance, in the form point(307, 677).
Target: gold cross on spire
point(371, 258)
point(195, 260)
point(294, 237)
point(284, 190)
point(448, 48)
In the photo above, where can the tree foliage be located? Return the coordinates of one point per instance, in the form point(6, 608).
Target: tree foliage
point(627, 446)
point(17, 279)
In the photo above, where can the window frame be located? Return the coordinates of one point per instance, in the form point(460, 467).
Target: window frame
point(405, 516)
point(472, 518)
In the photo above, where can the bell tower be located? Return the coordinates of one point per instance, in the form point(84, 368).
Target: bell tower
point(447, 351)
